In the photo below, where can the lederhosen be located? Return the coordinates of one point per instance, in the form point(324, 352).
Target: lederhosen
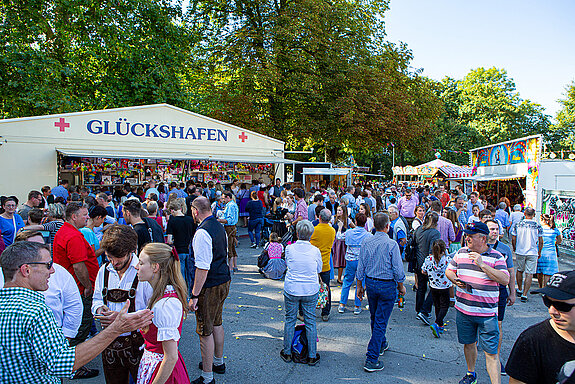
point(122, 357)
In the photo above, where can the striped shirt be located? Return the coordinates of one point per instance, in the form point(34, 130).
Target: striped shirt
point(481, 296)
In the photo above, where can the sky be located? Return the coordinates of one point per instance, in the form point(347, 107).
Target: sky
point(534, 40)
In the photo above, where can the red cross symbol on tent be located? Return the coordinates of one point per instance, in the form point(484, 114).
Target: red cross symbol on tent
point(62, 124)
point(243, 137)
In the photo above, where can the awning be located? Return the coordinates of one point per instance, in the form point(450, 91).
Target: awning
point(325, 171)
point(497, 177)
point(369, 174)
point(456, 172)
point(111, 154)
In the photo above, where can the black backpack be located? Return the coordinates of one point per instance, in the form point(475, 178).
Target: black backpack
point(411, 247)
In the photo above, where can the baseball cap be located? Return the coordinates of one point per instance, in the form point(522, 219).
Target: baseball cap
point(561, 286)
point(388, 190)
point(476, 227)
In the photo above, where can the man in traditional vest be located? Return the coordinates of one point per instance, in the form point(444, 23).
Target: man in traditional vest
point(117, 281)
point(210, 290)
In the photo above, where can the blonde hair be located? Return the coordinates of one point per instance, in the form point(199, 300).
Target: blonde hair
point(170, 273)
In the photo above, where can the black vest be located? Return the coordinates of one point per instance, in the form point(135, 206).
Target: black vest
point(219, 272)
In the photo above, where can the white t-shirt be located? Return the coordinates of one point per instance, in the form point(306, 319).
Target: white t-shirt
point(527, 233)
point(63, 298)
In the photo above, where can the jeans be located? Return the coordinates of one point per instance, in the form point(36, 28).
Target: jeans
point(441, 303)
point(381, 297)
point(422, 303)
point(255, 225)
point(325, 277)
point(307, 305)
point(348, 278)
point(187, 265)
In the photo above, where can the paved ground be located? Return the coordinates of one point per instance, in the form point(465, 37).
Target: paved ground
point(253, 320)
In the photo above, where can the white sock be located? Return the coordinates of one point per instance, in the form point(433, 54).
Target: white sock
point(208, 376)
point(218, 360)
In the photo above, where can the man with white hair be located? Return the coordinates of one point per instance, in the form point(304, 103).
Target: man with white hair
point(502, 216)
point(515, 217)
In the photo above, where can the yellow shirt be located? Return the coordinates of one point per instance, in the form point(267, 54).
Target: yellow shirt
point(323, 237)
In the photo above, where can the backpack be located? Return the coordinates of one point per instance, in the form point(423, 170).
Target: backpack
point(299, 347)
point(411, 247)
point(154, 230)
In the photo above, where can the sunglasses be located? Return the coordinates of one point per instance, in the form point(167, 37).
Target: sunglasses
point(558, 305)
point(48, 264)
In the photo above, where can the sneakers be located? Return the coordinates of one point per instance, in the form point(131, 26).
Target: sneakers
point(424, 318)
point(313, 360)
point(325, 317)
point(469, 379)
point(435, 330)
point(254, 245)
point(372, 367)
point(384, 348)
point(523, 298)
point(503, 373)
point(341, 308)
point(519, 293)
point(219, 369)
point(441, 329)
point(357, 311)
point(285, 357)
point(200, 380)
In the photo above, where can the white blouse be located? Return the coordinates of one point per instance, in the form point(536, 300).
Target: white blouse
point(167, 316)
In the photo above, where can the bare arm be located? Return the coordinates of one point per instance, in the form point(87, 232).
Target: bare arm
point(168, 362)
point(514, 381)
point(500, 276)
point(559, 240)
point(125, 322)
point(512, 296)
point(81, 272)
point(540, 245)
point(200, 279)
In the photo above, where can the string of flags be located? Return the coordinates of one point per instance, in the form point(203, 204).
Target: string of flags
point(447, 150)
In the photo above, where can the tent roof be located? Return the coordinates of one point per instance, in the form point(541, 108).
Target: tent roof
point(437, 163)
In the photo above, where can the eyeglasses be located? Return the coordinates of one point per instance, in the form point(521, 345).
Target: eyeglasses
point(558, 305)
point(48, 264)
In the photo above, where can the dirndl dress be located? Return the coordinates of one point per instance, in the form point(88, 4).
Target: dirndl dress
point(154, 352)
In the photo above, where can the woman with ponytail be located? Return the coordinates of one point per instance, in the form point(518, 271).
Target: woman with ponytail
point(434, 267)
point(162, 362)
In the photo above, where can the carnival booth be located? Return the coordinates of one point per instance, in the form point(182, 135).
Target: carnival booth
point(110, 147)
point(326, 177)
point(508, 169)
point(434, 172)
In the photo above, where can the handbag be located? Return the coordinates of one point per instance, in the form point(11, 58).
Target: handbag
point(322, 295)
point(263, 259)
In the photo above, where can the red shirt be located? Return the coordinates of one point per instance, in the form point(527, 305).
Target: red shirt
point(70, 248)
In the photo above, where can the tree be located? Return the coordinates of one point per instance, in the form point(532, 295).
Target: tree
point(313, 73)
point(563, 132)
point(62, 56)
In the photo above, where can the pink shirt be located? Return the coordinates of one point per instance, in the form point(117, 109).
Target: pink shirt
point(407, 207)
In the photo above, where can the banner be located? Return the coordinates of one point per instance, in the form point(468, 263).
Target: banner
point(561, 204)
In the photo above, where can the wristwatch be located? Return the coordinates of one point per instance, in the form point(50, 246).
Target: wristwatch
point(194, 296)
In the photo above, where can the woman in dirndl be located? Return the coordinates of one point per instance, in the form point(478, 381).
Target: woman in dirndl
point(341, 224)
point(162, 362)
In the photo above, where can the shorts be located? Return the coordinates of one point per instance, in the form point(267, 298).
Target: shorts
point(210, 307)
point(468, 327)
point(503, 295)
point(526, 263)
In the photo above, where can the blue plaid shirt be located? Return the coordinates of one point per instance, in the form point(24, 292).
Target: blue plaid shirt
point(231, 213)
point(32, 347)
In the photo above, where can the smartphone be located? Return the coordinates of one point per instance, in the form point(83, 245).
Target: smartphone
point(468, 286)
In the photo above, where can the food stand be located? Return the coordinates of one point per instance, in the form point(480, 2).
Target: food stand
point(509, 169)
point(109, 147)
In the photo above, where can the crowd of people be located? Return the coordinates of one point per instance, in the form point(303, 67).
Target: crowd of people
point(168, 249)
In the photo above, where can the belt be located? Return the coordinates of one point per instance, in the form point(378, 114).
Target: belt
point(376, 279)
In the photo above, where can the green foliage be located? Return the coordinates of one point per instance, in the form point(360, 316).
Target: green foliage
point(63, 56)
point(563, 132)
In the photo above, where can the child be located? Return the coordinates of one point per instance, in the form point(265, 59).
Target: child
point(276, 266)
point(434, 266)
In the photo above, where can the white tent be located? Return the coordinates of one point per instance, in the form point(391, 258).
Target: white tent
point(29, 146)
